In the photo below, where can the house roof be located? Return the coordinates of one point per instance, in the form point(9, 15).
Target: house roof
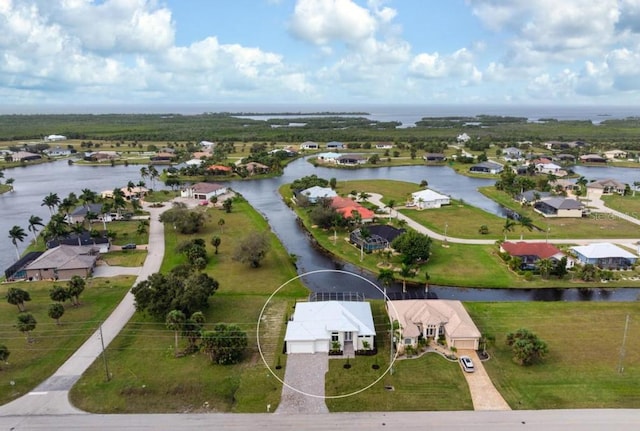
point(592, 157)
point(252, 166)
point(414, 312)
point(606, 183)
point(602, 250)
point(221, 168)
point(428, 196)
point(316, 320)
point(206, 187)
point(83, 210)
point(353, 157)
point(365, 213)
point(488, 165)
point(563, 203)
point(542, 250)
point(316, 192)
point(385, 231)
point(65, 257)
point(342, 202)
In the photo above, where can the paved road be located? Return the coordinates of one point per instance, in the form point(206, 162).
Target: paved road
point(51, 397)
point(547, 420)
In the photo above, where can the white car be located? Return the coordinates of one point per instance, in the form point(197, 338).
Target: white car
point(467, 364)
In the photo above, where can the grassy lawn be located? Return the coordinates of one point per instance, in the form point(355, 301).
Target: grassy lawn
point(594, 226)
point(461, 220)
point(161, 196)
point(399, 191)
point(127, 232)
point(125, 257)
point(581, 370)
point(429, 382)
point(147, 377)
point(629, 205)
point(31, 363)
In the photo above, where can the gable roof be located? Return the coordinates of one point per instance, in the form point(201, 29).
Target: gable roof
point(316, 320)
point(602, 250)
point(542, 250)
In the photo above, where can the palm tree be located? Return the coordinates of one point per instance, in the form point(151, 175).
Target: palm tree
point(215, 241)
point(525, 222)
point(51, 201)
point(175, 320)
point(221, 224)
point(78, 229)
point(66, 205)
point(16, 234)
point(386, 277)
point(25, 324)
point(34, 222)
point(105, 210)
point(509, 224)
point(406, 271)
point(144, 173)
point(363, 196)
point(153, 174)
point(544, 266)
point(88, 195)
point(390, 205)
point(16, 296)
point(56, 311)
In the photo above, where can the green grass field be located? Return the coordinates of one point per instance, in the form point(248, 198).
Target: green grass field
point(147, 377)
point(582, 367)
point(31, 363)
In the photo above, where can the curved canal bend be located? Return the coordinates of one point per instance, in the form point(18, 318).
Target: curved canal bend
point(33, 183)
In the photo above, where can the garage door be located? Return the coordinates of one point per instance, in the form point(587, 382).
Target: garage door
point(465, 344)
point(300, 347)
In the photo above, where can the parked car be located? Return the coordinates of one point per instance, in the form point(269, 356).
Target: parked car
point(130, 246)
point(467, 364)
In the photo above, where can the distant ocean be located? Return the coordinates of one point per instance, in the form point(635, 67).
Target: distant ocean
point(407, 114)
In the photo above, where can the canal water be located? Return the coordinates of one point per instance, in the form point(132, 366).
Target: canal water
point(35, 182)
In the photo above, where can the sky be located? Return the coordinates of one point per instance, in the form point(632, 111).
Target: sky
point(128, 52)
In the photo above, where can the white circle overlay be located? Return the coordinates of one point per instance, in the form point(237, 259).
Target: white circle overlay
point(395, 356)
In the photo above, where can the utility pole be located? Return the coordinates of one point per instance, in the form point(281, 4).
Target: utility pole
point(104, 356)
point(622, 349)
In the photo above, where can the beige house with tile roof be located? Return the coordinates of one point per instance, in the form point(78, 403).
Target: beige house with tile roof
point(432, 318)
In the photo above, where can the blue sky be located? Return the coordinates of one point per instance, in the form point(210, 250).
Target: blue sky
point(127, 52)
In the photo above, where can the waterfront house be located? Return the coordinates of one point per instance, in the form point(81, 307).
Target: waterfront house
point(318, 327)
point(429, 199)
point(203, 191)
point(254, 168)
point(84, 239)
point(434, 157)
point(62, 263)
point(347, 207)
point(374, 237)
point(615, 154)
point(531, 196)
point(352, 159)
point(608, 186)
point(560, 207)
point(315, 193)
point(57, 152)
point(335, 145)
point(220, 170)
point(593, 158)
point(487, 168)
point(605, 255)
point(432, 319)
point(531, 252)
point(79, 214)
point(25, 156)
point(329, 157)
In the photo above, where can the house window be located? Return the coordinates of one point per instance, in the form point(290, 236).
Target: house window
point(408, 341)
point(334, 336)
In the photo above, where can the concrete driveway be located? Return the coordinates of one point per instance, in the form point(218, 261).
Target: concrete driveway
point(484, 395)
point(305, 373)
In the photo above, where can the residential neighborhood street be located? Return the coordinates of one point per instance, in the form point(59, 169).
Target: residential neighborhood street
point(51, 397)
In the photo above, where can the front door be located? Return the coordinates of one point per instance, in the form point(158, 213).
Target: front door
point(348, 336)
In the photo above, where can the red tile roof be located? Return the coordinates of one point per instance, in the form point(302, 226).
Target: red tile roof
point(365, 213)
point(340, 202)
point(219, 168)
point(541, 249)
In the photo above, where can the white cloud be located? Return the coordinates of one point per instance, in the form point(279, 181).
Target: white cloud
point(324, 21)
point(459, 64)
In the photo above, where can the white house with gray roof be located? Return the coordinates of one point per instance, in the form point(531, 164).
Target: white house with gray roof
point(316, 193)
